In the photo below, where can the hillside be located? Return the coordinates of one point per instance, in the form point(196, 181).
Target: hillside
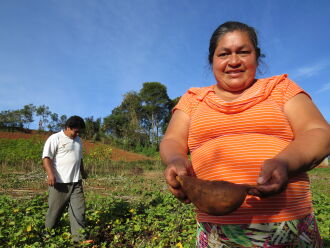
point(117, 154)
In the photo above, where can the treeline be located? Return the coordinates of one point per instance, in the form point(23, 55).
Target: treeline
point(136, 124)
point(21, 119)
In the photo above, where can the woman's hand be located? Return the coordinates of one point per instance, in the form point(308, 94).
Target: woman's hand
point(273, 178)
point(178, 166)
point(173, 151)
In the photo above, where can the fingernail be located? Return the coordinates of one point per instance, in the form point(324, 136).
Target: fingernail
point(260, 180)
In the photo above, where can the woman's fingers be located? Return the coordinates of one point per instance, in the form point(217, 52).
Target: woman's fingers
point(173, 170)
point(273, 178)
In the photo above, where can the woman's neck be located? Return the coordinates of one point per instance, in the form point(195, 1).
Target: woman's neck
point(227, 96)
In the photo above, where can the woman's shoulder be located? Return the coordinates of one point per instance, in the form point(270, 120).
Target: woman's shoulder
point(275, 78)
point(281, 88)
point(190, 99)
point(276, 83)
point(198, 92)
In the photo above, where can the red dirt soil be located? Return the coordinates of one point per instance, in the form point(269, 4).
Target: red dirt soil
point(117, 154)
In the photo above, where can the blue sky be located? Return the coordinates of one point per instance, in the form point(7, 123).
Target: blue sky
point(81, 56)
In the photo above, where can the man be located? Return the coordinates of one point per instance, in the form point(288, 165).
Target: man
point(62, 161)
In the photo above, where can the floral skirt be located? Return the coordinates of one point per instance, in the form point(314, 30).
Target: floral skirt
point(300, 233)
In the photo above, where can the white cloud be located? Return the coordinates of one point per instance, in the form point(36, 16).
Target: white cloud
point(311, 70)
point(325, 87)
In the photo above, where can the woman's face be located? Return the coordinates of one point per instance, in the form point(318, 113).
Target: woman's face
point(234, 62)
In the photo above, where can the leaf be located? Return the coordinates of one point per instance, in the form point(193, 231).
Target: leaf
point(29, 228)
point(293, 226)
point(137, 228)
point(236, 234)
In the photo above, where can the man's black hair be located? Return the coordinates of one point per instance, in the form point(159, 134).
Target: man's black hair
point(75, 122)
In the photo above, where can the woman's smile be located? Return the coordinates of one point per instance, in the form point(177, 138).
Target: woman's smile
point(234, 62)
point(235, 73)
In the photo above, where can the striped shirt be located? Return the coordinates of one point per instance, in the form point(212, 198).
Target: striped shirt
point(230, 140)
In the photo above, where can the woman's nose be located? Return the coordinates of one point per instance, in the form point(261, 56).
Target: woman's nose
point(234, 60)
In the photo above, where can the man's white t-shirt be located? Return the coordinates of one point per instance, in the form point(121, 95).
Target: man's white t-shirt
point(66, 155)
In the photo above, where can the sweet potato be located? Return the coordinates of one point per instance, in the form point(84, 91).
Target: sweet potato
point(213, 197)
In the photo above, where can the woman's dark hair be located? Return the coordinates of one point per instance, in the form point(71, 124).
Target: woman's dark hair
point(231, 27)
point(75, 122)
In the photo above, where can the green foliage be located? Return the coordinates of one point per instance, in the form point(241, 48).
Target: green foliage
point(322, 212)
point(44, 113)
point(130, 211)
point(11, 120)
point(93, 129)
point(56, 123)
point(141, 118)
point(150, 151)
point(156, 109)
point(22, 224)
point(100, 153)
point(20, 151)
point(155, 220)
point(21, 119)
point(124, 123)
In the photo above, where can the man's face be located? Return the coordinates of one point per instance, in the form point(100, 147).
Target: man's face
point(72, 132)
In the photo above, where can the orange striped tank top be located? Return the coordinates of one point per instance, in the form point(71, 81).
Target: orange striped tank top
point(230, 140)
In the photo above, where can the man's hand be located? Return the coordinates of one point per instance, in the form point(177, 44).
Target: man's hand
point(84, 174)
point(51, 180)
point(47, 163)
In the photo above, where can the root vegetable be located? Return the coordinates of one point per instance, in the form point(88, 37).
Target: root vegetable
point(213, 197)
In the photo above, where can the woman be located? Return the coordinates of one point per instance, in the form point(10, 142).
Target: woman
point(265, 132)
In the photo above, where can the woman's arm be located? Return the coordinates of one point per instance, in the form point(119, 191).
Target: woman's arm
point(311, 142)
point(310, 146)
point(173, 152)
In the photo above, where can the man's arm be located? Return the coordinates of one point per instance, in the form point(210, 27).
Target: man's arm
point(48, 166)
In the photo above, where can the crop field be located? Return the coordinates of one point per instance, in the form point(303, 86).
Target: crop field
point(128, 204)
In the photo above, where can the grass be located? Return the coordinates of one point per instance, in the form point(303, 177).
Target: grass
point(319, 178)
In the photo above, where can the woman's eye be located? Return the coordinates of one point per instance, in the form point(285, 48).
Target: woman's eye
point(222, 54)
point(244, 52)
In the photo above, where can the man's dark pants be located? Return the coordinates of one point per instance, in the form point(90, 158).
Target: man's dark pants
point(61, 195)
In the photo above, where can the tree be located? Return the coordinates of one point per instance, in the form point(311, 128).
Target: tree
point(93, 128)
point(168, 117)
point(125, 121)
point(156, 107)
point(11, 119)
point(61, 123)
point(27, 115)
point(8, 119)
point(52, 124)
point(43, 112)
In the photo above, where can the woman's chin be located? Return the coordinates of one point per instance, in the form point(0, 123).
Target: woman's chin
point(236, 85)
